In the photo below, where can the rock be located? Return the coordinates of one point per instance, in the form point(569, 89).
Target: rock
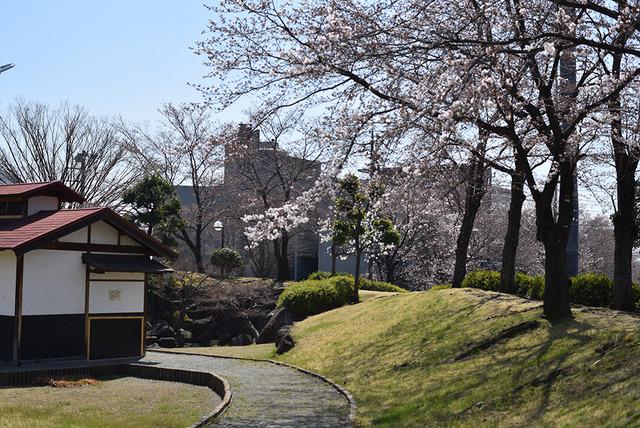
point(208, 342)
point(183, 336)
point(200, 327)
point(150, 340)
point(162, 329)
point(278, 318)
point(231, 324)
point(284, 340)
point(241, 340)
point(186, 334)
point(168, 342)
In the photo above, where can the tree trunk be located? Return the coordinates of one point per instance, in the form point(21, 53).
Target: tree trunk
point(626, 162)
point(281, 249)
point(510, 248)
point(391, 270)
point(554, 235)
point(623, 254)
point(556, 291)
point(356, 280)
point(334, 256)
point(474, 191)
point(624, 233)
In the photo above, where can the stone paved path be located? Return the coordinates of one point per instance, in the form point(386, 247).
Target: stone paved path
point(265, 394)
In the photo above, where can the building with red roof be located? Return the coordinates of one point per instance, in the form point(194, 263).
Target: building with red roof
point(73, 281)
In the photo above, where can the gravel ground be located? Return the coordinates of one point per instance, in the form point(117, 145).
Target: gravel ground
point(265, 394)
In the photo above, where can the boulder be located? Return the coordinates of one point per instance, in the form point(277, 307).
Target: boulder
point(162, 329)
point(231, 324)
point(186, 335)
point(284, 340)
point(200, 327)
point(278, 318)
point(241, 340)
point(168, 342)
point(183, 336)
point(150, 340)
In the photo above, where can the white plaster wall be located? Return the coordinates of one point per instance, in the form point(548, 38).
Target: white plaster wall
point(129, 276)
point(116, 297)
point(125, 240)
point(54, 282)
point(7, 283)
point(77, 236)
point(102, 233)
point(41, 203)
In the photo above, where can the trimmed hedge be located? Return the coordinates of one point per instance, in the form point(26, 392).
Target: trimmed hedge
point(319, 275)
point(531, 286)
point(312, 297)
point(365, 284)
point(591, 289)
point(488, 280)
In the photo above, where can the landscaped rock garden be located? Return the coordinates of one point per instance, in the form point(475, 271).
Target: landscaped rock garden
point(233, 312)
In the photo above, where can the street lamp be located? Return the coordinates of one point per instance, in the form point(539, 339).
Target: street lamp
point(6, 67)
point(218, 226)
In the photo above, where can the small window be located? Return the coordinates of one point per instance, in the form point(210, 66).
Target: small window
point(12, 208)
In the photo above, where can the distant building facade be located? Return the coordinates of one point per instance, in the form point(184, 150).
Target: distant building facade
point(259, 175)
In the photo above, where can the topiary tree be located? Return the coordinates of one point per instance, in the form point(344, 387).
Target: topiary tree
point(226, 259)
point(356, 225)
point(155, 206)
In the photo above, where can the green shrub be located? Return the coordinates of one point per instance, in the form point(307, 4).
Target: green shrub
point(636, 296)
point(591, 289)
point(226, 259)
point(483, 279)
point(536, 289)
point(312, 297)
point(367, 284)
point(440, 287)
point(319, 275)
point(531, 286)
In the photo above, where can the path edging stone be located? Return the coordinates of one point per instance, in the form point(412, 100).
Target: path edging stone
point(341, 390)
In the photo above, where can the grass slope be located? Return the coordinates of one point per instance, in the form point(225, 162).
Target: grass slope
point(425, 359)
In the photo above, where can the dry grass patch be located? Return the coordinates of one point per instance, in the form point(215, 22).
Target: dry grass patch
point(123, 402)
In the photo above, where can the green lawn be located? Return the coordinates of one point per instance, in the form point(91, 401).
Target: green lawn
point(433, 359)
point(119, 402)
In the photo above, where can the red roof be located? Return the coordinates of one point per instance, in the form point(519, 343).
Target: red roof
point(49, 188)
point(25, 234)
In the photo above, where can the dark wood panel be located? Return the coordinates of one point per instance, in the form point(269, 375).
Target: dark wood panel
point(111, 337)
point(52, 336)
point(6, 338)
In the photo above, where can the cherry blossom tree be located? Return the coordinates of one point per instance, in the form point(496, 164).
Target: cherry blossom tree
point(528, 77)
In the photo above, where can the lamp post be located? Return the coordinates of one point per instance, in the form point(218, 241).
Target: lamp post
point(6, 67)
point(218, 226)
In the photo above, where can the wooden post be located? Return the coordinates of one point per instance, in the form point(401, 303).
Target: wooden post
point(87, 287)
point(17, 329)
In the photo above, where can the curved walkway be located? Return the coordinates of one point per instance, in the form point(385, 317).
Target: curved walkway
point(265, 394)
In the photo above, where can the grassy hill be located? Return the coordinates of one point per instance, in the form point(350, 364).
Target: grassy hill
point(473, 358)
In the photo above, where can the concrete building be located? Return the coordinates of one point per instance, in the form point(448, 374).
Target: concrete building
point(258, 174)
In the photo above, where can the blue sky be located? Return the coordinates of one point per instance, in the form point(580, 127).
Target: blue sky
point(114, 57)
